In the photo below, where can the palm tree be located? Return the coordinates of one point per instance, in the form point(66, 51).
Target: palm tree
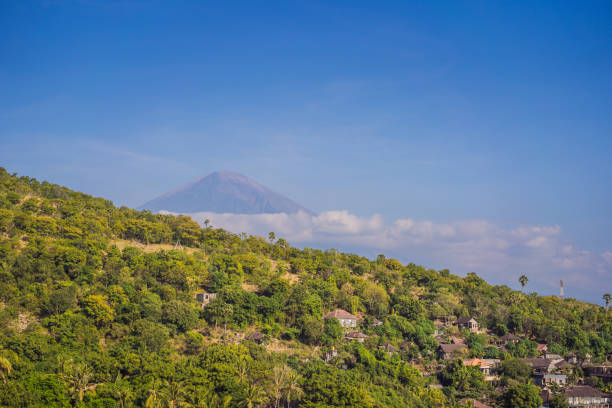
point(523, 280)
point(218, 402)
point(293, 390)
point(173, 395)
point(201, 398)
point(153, 401)
point(607, 298)
point(77, 377)
point(254, 396)
point(5, 368)
point(279, 376)
point(243, 370)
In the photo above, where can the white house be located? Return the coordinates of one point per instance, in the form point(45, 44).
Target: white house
point(345, 318)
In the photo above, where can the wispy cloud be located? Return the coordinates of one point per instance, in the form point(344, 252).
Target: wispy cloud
point(500, 254)
point(132, 155)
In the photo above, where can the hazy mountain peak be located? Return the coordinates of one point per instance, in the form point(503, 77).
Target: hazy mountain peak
point(224, 192)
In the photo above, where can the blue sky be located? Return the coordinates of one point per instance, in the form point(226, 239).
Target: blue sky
point(439, 111)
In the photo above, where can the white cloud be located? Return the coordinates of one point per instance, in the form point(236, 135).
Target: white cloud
point(500, 254)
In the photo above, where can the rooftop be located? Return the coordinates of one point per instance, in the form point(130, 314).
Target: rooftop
point(356, 335)
point(340, 314)
point(585, 391)
point(449, 348)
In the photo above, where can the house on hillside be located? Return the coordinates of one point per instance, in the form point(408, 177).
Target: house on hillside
point(484, 367)
point(467, 323)
point(545, 380)
point(356, 336)
point(601, 371)
point(448, 351)
point(585, 396)
point(571, 358)
point(542, 348)
point(475, 403)
point(507, 338)
point(555, 357)
point(205, 298)
point(438, 326)
point(563, 365)
point(329, 355)
point(540, 365)
point(389, 348)
point(346, 319)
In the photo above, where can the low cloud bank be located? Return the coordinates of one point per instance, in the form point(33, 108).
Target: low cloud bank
point(499, 254)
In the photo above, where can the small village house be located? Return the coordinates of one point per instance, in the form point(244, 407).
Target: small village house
point(356, 336)
point(389, 348)
point(205, 298)
point(507, 338)
point(571, 358)
point(546, 380)
point(585, 396)
point(541, 365)
point(542, 348)
point(604, 372)
point(448, 351)
point(475, 403)
point(346, 319)
point(467, 323)
point(484, 367)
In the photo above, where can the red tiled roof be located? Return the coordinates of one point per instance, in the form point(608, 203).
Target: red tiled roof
point(476, 362)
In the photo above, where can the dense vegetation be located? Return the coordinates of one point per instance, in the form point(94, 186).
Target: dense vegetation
point(97, 309)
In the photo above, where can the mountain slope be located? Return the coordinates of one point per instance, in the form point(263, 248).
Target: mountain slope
point(224, 192)
point(98, 306)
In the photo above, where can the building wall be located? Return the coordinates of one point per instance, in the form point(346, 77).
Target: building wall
point(348, 322)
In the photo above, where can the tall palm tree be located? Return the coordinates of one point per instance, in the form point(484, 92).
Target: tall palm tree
point(174, 395)
point(243, 370)
point(199, 399)
point(77, 377)
point(153, 400)
point(279, 383)
point(5, 368)
point(293, 390)
point(218, 402)
point(607, 298)
point(254, 397)
point(523, 280)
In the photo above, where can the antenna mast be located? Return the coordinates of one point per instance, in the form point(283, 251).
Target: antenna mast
point(178, 245)
point(561, 290)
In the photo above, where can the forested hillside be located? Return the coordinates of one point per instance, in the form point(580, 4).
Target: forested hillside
point(98, 308)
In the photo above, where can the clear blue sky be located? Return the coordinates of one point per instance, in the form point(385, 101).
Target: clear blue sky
point(443, 111)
